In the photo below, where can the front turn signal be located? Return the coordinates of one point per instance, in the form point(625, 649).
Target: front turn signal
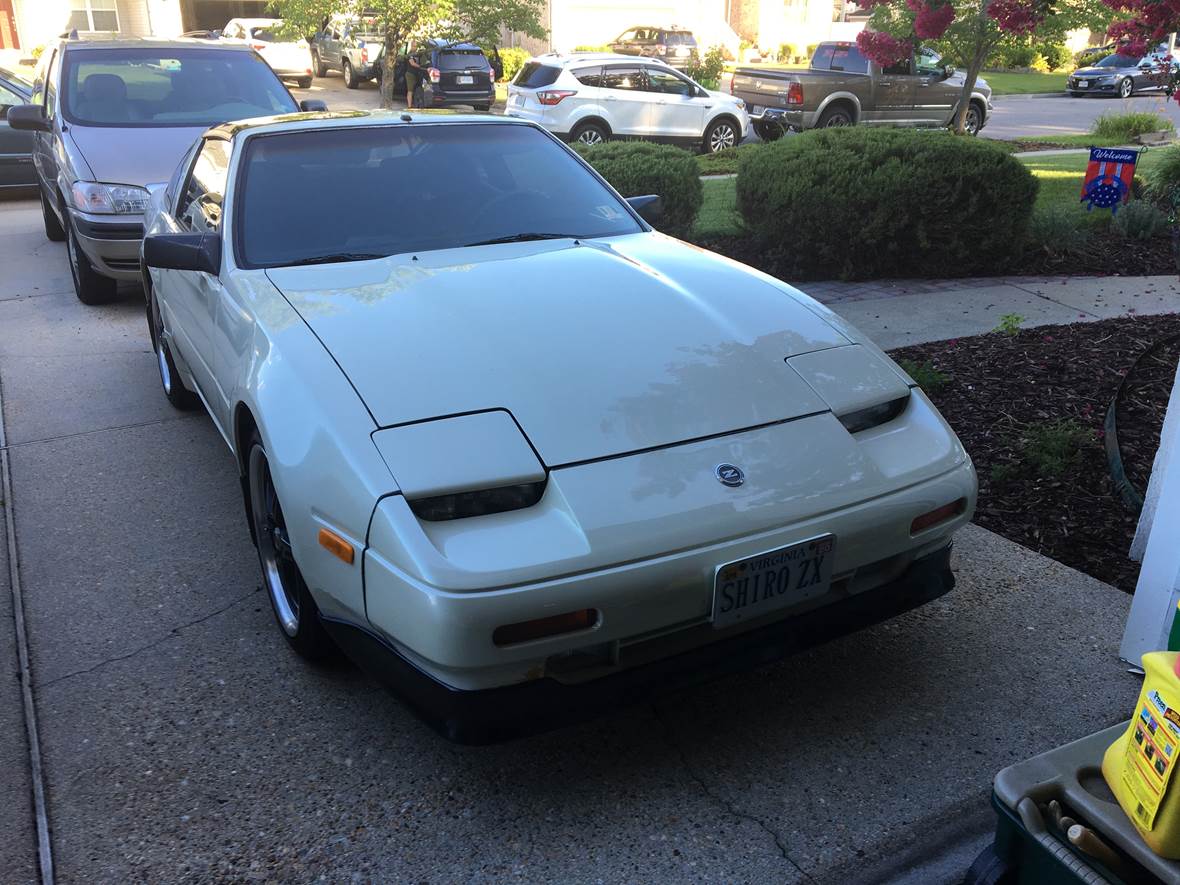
point(337, 546)
point(934, 517)
point(542, 628)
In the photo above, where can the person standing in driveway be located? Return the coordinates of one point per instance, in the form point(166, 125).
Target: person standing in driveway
point(413, 74)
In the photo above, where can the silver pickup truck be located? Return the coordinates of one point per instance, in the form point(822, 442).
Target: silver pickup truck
point(843, 88)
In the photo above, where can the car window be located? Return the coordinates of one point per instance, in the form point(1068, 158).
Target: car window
point(199, 208)
point(625, 37)
point(622, 77)
point(822, 60)
point(846, 57)
point(589, 76)
point(679, 38)
point(182, 86)
point(263, 35)
point(901, 68)
point(534, 75)
point(462, 60)
point(486, 181)
point(667, 83)
point(9, 97)
point(929, 64)
point(173, 189)
point(52, 79)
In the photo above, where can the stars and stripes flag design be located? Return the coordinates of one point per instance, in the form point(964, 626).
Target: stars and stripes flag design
point(1108, 178)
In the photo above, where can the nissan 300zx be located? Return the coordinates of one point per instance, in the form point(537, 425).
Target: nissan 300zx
point(514, 451)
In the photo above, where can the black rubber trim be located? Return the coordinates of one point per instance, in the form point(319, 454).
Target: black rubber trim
point(497, 714)
point(107, 230)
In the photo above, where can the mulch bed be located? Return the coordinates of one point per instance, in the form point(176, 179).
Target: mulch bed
point(1104, 255)
point(1002, 387)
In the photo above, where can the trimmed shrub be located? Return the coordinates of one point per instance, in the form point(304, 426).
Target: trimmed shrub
point(1164, 178)
point(637, 168)
point(513, 59)
point(1089, 59)
point(1139, 220)
point(1055, 231)
point(602, 47)
point(1056, 55)
point(1128, 126)
point(1018, 56)
point(857, 202)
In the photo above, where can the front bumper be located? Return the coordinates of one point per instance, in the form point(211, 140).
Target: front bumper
point(1095, 86)
point(110, 242)
point(489, 715)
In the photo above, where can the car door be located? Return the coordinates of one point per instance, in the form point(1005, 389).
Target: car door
point(44, 143)
point(894, 91)
point(191, 298)
point(625, 99)
point(675, 111)
point(334, 36)
point(935, 94)
point(16, 148)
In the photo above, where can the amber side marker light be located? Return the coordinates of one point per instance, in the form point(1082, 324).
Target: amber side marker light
point(337, 546)
point(934, 517)
point(510, 634)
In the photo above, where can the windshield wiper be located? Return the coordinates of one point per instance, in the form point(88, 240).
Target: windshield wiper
point(524, 238)
point(336, 256)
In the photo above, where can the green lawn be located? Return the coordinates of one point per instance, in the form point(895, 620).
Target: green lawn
point(1016, 83)
point(1060, 178)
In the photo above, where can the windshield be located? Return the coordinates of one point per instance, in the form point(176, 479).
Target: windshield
point(438, 187)
point(1116, 61)
point(265, 35)
point(181, 87)
point(679, 38)
point(16, 78)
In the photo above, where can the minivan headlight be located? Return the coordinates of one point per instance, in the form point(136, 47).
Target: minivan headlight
point(109, 199)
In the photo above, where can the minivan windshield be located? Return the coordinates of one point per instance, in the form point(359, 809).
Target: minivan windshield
point(439, 186)
point(176, 86)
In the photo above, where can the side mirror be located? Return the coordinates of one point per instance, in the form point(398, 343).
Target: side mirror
point(310, 105)
point(948, 72)
point(649, 207)
point(28, 118)
point(199, 252)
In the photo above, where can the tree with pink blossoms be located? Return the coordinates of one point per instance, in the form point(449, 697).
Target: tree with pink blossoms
point(973, 29)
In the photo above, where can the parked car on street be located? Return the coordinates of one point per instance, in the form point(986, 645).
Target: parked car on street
point(673, 45)
point(593, 97)
point(452, 74)
point(290, 59)
point(354, 46)
point(1122, 75)
point(532, 456)
point(203, 34)
point(16, 147)
point(112, 116)
point(844, 88)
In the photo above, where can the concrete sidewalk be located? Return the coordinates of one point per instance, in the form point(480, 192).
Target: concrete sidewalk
point(184, 742)
point(900, 312)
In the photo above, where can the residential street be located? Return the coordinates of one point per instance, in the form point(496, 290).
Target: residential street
point(183, 740)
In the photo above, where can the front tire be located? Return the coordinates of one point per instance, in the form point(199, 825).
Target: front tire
point(177, 394)
point(294, 609)
point(590, 134)
point(91, 287)
point(1126, 87)
point(317, 65)
point(303, 82)
point(973, 121)
point(54, 232)
point(721, 135)
point(350, 80)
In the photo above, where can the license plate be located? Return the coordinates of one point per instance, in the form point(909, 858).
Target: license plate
point(1083, 83)
point(464, 81)
point(756, 109)
point(518, 100)
point(749, 588)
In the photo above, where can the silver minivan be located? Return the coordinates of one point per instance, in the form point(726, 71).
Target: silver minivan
point(113, 116)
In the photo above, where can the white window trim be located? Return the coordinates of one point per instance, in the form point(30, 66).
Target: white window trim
point(89, 10)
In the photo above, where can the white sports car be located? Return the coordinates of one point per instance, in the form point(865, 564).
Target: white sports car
point(510, 448)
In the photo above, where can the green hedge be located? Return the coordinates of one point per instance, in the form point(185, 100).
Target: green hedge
point(513, 60)
point(858, 202)
point(638, 168)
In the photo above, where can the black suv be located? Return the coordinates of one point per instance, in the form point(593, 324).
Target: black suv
point(451, 74)
point(674, 46)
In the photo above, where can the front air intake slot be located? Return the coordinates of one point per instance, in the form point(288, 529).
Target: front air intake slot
point(462, 505)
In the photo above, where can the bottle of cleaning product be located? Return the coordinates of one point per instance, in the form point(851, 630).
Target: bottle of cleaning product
point(1138, 766)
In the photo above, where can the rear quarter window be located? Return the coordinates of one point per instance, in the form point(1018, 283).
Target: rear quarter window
point(534, 75)
point(589, 76)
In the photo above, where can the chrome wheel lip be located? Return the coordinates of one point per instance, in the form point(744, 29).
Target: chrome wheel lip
point(282, 598)
point(722, 138)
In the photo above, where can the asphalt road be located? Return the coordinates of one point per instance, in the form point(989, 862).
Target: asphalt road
point(1014, 116)
point(184, 741)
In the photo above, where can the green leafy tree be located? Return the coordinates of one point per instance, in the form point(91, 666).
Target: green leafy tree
point(402, 21)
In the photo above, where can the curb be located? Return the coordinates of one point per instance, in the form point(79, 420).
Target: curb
point(1025, 96)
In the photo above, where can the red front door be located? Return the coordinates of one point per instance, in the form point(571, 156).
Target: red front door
point(8, 37)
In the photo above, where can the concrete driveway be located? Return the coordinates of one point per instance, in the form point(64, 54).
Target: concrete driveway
point(183, 741)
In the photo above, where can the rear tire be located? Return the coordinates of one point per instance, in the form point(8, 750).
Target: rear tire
point(54, 232)
point(294, 608)
point(350, 80)
point(91, 287)
point(303, 82)
point(769, 131)
point(174, 390)
point(835, 115)
point(590, 133)
point(317, 66)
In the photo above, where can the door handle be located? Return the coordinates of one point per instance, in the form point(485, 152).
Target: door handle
point(923, 84)
point(884, 82)
point(610, 98)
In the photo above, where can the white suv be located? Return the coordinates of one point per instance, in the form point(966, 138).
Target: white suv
point(591, 97)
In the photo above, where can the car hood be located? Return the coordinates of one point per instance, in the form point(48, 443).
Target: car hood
point(1098, 72)
point(133, 155)
point(597, 349)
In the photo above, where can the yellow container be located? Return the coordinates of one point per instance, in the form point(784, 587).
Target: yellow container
point(1138, 766)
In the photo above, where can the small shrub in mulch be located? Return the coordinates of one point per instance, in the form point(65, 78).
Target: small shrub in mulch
point(1029, 408)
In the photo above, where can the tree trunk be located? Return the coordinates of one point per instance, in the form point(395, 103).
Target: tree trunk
point(393, 39)
point(973, 69)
